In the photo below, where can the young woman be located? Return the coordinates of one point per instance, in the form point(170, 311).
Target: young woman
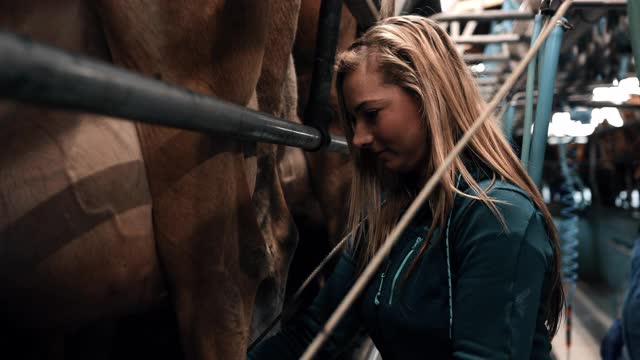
point(476, 274)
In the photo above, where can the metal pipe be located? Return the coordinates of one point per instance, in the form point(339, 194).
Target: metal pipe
point(491, 71)
point(611, 4)
point(586, 101)
point(488, 39)
point(483, 81)
point(476, 58)
point(507, 121)
point(318, 113)
point(39, 74)
point(487, 15)
point(633, 11)
point(541, 56)
point(545, 102)
point(528, 110)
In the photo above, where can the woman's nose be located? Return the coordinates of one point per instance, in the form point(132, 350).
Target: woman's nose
point(362, 136)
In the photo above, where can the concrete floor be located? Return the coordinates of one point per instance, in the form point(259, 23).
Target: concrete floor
point(590, 324)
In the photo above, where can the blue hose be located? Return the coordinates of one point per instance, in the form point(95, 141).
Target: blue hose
point(549, 68)
point(568, 227)
point(528, 107)
point(568, 231)
point(507, 121)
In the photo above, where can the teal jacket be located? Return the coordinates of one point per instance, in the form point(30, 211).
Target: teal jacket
point(499, 281)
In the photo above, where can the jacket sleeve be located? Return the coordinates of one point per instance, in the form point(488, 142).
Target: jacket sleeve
point(291, 341)
point(500, 278)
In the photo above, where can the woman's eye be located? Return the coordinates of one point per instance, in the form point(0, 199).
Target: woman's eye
point(371, 115)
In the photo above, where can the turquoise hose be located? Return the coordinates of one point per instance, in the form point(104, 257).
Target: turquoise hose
point(545, 102)
point(507, 121)
point(528, 107)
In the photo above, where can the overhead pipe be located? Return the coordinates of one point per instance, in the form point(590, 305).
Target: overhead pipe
point(549, 63)
point(477, 58)
point(488, 39)
point(599, 4)
point(586, 101)
point(317, 113)
point(486, 15)
point(490, 71)
point(43, 75)
point(528, 109)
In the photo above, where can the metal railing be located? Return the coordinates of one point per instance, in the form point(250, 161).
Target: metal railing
point(487, 15)
point(38, 74)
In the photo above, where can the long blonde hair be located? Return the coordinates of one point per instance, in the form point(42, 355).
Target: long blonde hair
point(416, 54)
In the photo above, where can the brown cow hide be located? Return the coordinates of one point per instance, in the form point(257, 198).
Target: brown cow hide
point(221, 228)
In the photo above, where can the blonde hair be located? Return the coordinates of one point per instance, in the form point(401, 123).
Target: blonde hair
point(416, 54)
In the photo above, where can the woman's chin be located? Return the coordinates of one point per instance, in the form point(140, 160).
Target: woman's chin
point(396, 167)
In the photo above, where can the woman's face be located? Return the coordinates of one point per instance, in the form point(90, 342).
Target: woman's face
point(387, 120)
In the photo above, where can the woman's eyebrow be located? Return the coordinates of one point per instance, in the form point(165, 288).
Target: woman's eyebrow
point(365, 103)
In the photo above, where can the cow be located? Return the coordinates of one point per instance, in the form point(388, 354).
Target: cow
point(101, 217)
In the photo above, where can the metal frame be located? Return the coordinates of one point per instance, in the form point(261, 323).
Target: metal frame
point(486, 15)
point(489, 39)
point(39, 74)
point(317, 113)
point(478, 58)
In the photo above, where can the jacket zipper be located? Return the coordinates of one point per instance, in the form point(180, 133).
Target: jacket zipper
point(404, 262)
point(376, 300)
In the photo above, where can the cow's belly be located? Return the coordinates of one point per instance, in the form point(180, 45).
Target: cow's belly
point(76, 238)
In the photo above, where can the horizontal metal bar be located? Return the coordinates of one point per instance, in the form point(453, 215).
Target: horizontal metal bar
point(476, 58)
point(39, 74)
point(489, 39)
point(491, 72)
point(610, 4)
point(487, 15)
point(487, 80)
point(586, 101)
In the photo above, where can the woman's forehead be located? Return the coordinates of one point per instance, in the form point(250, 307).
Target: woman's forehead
point(363, 84)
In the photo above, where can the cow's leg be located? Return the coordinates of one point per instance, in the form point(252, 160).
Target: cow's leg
point(208, 238)
point(277, 95)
